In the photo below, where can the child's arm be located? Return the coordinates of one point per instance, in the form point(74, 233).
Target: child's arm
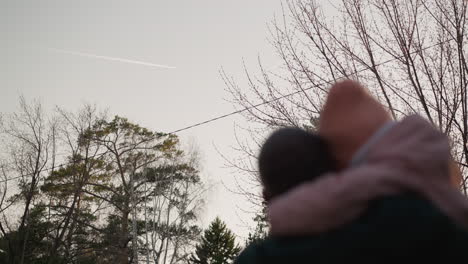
point(330, 201)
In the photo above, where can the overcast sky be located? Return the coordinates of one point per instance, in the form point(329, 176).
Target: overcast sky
point(155, 62)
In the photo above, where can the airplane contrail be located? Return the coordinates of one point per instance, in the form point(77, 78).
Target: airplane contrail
point(111, 58)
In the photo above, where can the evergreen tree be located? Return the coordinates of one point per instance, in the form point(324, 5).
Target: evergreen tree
point(217, 245)
point(261, 228)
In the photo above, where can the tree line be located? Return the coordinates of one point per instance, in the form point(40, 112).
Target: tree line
point(83, 187)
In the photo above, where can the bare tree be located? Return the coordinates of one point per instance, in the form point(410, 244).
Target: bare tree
point(174, 209)
point(409, 53)
point(64, 187)
point(30, 140)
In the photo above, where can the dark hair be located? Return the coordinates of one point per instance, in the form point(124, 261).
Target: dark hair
point(291, 156)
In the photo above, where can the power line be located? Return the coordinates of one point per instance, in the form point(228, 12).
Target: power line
point(55, 167)
point(46, 169)
point(296, 92)
point(256, 105)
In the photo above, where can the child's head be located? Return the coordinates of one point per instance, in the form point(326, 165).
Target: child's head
point(291, 156)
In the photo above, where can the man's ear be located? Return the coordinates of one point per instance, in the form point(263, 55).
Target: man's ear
point(349, 118)
point(455, 174)
point(266, 195)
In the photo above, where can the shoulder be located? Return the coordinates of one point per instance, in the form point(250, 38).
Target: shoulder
point(396, 226)
point(249, 255)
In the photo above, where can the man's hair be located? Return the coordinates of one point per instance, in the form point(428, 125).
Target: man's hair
point(291, 156)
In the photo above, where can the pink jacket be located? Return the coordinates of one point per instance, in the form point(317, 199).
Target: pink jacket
point(411, 156)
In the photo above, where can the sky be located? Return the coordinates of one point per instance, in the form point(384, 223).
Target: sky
point(154, 62)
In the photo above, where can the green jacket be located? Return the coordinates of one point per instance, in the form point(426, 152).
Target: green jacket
point(397, 229)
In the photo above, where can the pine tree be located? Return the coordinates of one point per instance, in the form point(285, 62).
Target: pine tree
point(260, 232)
point(217, 246)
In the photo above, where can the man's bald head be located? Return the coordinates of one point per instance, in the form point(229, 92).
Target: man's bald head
point(349, 118)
